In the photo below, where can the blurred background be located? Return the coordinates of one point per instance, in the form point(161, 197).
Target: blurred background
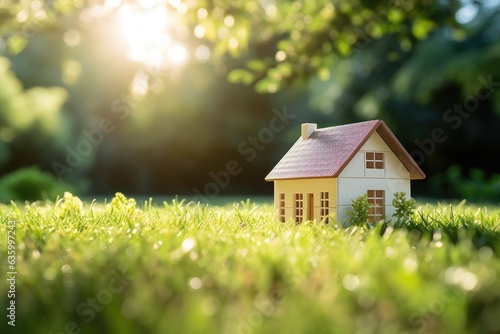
point(156, 97)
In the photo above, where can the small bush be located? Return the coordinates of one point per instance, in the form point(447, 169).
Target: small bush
point(404, 208)
point(31, 184)
point(360, 209)
point(477, 186)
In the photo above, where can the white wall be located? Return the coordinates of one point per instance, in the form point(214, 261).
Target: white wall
point(351, 188)
point(356, 168)
point(355, 179)
point(393, 168)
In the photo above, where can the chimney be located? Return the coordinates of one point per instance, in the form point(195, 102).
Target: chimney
point(308, 129)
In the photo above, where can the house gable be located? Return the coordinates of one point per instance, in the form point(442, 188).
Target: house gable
point(393, 168)
point(356, 178)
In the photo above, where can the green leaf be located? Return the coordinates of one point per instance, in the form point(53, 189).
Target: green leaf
point(267, 85)
point(258, 65)
point(65, 6)
point(344, 48)
point(16, 44)
point(285, 69)
point(395, 15)
point(422, 27)
point(324, 74)
point(240, 76)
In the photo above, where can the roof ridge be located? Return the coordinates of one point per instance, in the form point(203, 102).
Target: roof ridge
point(350, 124)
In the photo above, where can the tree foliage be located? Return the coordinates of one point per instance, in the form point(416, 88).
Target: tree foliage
point(407, 62)
point(32, 115)
point(281, 40)
point(31, 184)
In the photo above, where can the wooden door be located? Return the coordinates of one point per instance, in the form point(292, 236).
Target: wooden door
point(310, 206)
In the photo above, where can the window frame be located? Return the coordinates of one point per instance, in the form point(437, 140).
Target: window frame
point(298, 207)
point(376, 198)
point(282, 207)
point(374, 160)
point(324, 204)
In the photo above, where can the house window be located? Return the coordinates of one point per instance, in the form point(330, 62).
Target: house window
point(299, 207)
point(324, 204)
point(374, 160)
point(282, 207)
point(376, 199)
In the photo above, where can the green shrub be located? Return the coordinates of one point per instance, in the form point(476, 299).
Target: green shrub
point(476, 186)
point(360, 209)
point(31, 184)
point(404, 208)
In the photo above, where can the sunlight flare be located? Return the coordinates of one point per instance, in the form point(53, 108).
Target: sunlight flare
point(145, 31)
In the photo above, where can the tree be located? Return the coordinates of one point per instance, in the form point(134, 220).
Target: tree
point(28, 115)
point(282, 41)
point(404, 61)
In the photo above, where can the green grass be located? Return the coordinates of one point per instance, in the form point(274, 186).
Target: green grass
point(185, 268)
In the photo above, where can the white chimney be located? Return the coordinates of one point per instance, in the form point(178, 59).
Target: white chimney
point(308, 129)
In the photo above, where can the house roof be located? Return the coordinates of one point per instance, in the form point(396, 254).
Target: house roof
point(328, 151)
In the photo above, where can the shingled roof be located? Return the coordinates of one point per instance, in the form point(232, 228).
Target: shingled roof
point(328, 151)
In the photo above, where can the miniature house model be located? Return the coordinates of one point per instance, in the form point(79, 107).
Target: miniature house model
point(327, 168)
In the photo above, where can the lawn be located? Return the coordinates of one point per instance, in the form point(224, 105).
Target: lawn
point(127, 267)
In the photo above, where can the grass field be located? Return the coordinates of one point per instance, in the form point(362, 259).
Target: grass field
point(127, 267)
